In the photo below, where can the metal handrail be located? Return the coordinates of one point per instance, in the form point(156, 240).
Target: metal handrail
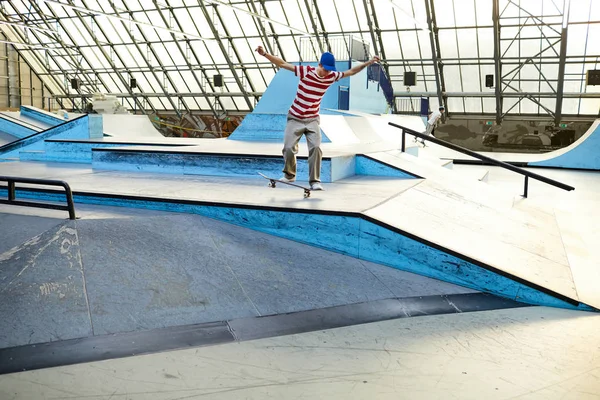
point(490, 160)
point(11, 180)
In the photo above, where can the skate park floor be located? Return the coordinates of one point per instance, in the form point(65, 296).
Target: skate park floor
point(507, 352)
point(125, 274)
point(116, 270)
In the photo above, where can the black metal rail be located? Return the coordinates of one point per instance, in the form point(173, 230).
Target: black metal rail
point(487, 159)
point(70, 207)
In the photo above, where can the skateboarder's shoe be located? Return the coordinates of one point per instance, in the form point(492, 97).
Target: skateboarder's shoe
point(316, 186)
point(290, 180)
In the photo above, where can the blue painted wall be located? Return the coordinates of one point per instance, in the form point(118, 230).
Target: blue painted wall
point(368, 166)
point(281, 92)
point(14, 129)
point(96, 126)
point(77, 152)
point(265, 128)
point(365, 95)
point(267, 121)
point(349, 234)
point(41, 115)
point(74, 129)
point(583, 154)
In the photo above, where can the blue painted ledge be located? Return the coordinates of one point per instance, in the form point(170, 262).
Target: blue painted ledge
point(14, 129)
point(265, 128)
point(366, 165)
point(41, 115)
point(348, 233)
point(77, 128)
point(215, 164)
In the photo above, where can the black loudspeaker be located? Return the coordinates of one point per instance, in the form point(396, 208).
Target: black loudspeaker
point(489, 81)
point(132, 83)
point(218, 80)
point(410, 78)
point(74, 84)
point(593, 77)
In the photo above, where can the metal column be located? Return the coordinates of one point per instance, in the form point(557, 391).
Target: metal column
point(497, 63)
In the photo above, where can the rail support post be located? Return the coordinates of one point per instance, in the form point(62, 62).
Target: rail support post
point(526, 185)
point(403, 141)
point(11, 191)
point(70, 204)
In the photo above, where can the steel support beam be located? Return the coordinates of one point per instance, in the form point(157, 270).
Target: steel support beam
point(18, 34)
point(436, 55)
point(199, 66)
point(377, 30)
point(156, 57)
point(561, 66)
point(233, 67)
point(182, 52)
point(547, 95)
point(497, 61)
point(261, 28)
point(377, 39)
point(173, 95)
point(215, 33)
point(320, 18)
point(106, 55)
point(65, 46)
point(368, 14)
point(314, 25)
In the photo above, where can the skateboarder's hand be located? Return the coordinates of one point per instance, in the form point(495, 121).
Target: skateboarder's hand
point(375, 59)
point(260, 50)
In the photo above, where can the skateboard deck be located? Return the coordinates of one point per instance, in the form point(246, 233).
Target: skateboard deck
point(273, 183)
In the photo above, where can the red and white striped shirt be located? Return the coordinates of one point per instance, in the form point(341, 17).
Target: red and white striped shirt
point(310, 91)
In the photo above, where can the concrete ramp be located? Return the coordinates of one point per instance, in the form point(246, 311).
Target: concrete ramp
point(129, 126)
point(340, 128)
point(583, 154)
point(370, 128)
point(517, 239)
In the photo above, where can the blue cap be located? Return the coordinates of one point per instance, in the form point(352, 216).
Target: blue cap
point(328, 61)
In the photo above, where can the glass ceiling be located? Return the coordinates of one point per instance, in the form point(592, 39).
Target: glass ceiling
point(173, 48)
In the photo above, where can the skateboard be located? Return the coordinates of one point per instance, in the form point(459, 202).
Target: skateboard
point(273, 183)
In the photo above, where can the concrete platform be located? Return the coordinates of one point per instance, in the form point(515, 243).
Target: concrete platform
point(116, 270)
point(512, 240)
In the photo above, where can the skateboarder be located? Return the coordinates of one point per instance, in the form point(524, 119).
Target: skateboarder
point(303, 115)
point(435, 116)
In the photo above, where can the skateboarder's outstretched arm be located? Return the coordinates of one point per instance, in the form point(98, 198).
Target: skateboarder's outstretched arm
point(274, 59)
point(355, 70)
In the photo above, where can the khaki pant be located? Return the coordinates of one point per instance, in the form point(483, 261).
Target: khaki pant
point(430, 129)
point(293, 133)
